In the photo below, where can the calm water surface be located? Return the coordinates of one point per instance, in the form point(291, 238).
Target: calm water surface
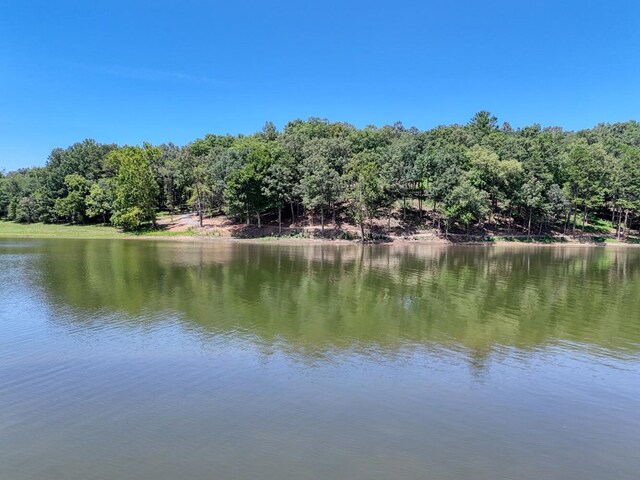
point(161, 360)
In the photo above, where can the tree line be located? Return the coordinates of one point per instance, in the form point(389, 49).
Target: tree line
point(480, 175)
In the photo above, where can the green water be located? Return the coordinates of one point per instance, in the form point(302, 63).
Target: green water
point(164, 360)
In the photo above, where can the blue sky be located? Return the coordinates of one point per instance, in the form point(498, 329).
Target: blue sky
point(158, 71)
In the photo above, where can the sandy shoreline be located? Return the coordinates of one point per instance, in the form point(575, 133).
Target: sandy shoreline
point(269, 235)
point(289, 241)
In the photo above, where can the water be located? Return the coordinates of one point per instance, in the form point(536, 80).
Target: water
point(164, 360)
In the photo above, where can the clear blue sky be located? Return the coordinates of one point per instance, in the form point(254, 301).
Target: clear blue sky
point(130, 71)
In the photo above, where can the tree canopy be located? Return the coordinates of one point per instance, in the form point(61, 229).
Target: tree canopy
point(455, 177)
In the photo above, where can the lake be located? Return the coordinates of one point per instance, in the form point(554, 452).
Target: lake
point(169, 360)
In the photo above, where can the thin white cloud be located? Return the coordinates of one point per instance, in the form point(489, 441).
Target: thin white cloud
point(151, 75)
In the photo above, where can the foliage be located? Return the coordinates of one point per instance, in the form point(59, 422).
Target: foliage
point(479, 174)
point(135, 188)
point(465, 204)
point(99, 201)
point(364, 192)
point(72, 208)
point(320, 185)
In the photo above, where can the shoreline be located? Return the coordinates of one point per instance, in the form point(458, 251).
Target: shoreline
point(97, 232)
point(289, 241)
point(283, 241)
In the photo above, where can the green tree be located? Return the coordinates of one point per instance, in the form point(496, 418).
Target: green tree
point(194, 175)
point(73, 207)
point(442, 165)
point(465, 203)
point(557, 205)
point(399, 169)
point(26, 210)
point(486, 174)
point(4, 195)
point(511, 179)
point(320, 185)
point(629, 194)
point(279, 184)
point(167, 172)
point(244, 192)
point(481, 125)
point(364, 189)
point(86, 159)
point(586, 171)
point(532, 197)
point(99, 201)
point(135, 188)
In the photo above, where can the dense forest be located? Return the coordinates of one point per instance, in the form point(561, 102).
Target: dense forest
point(477, 177)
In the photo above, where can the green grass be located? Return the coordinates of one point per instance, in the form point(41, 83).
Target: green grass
point(45, 230)
point(595, 225)
point(532, 239)
point(629, 239)
point(42, 230)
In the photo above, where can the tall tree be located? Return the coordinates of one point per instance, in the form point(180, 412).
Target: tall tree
point(73, 207)
point(586, 171)
point(486, 174)
point(482, 124)
point(99, 200)
point(135, 188)
point(279, 184)
point(320, 185)
point(244, 190)
point(364, 188)
point(465, 203)
point(193, 175)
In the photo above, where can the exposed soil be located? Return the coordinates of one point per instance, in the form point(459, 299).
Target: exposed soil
point(382, 231)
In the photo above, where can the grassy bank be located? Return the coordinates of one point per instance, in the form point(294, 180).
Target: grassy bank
point(42, 230)
point(45, 230)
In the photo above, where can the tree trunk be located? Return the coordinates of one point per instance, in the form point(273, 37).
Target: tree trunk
point(529, 224)
point(362, 229)
point(199, 204)
point(491, 211)
point(584, 221)
point(322, 219)
point(575, 215)
point(247, 210)
point(279, 219)
point(626, 217)
point(293, 215)
point(259, 222)
point(619, 212)
point(404, 209)
point(541, 225)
